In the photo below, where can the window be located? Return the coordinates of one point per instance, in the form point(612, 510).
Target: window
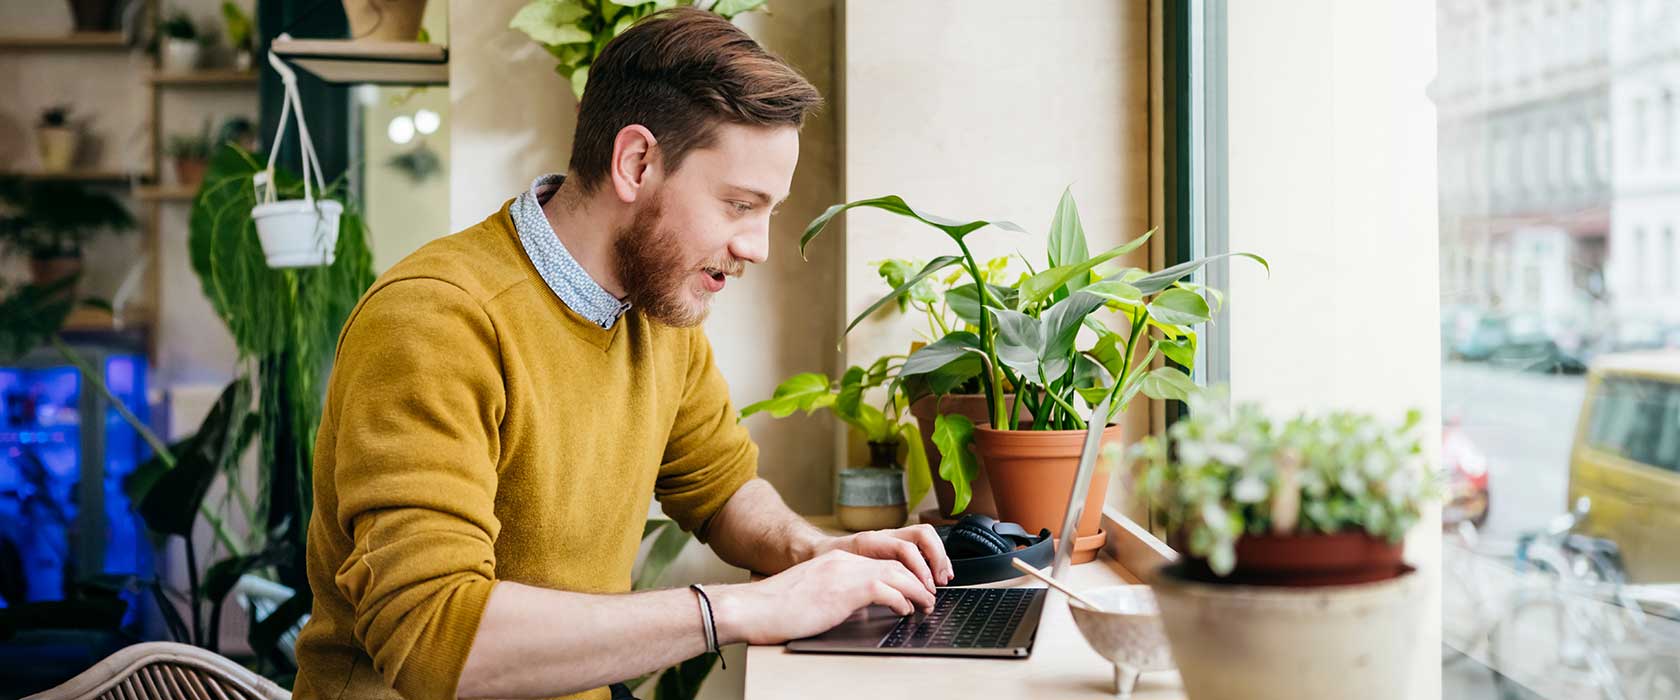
point(1634, 419)
point(1640, 136)
point(1636, 261)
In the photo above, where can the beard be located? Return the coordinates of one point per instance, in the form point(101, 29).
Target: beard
point(657, 278)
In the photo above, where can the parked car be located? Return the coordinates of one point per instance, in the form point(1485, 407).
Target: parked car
point(1465, 471)
point(1486, 335)
point(1626, 460)
point(1529, 347)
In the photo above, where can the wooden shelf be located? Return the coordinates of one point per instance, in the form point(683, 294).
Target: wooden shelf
point(78, 40)
point(205, 78)
point(114, 176)
point(355, 62)
point(166, 193)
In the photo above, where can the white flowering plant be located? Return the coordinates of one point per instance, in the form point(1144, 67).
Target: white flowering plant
point(1224, 472)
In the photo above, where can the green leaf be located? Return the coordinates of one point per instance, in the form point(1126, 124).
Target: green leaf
point(31, 314)
point(1041, 286)
point(552, 22)
point(1110, 350)
point(580, 79)
point(892, 203)
point(1181, 350)
point(1167, 383)
point(851, 394)
point(872, 423)
point(172, 503)
point(1179, 307)
point(917, 478)
point(1116, 292)
point(622, 24)
point(729, 8)
point(1067, 237)
point(954, 436)
point(1019, 340)
point(799, 392)
point(1061, 324)
point(1215, 297)
point(933, 266)
point(665, 549)
point(1158, 281)
point(965, 300)
point(952, 347)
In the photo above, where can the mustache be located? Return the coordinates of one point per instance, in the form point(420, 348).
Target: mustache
point(730, 268)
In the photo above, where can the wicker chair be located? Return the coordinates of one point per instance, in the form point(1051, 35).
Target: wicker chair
point(165, 671)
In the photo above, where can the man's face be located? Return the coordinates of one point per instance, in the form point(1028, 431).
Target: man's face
point(703, 223)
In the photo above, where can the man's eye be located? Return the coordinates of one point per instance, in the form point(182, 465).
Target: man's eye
point(741, 207)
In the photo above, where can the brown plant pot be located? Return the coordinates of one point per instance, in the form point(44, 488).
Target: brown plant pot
point(93, 15)
point(385, 20)
point(973, 406)
point(1031, 473)
point(48, 271)
point(190, 171)
point(1304, 560)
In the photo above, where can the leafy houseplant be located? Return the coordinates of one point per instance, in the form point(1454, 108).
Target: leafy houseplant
point(882, 428)
point(241, 34)
point(575, 31)
point(57, 138)
point(179, 43)
point(1028, 337)
point(1292, 532)
point(50, 222)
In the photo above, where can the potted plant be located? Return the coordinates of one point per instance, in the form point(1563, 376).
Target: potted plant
point(872, 497)
point(57, 139)
point(191, 155)
point(241, 34)
point(239, 131)
point(50, 222)
point(575, 32)
point(178, 43)
point(385, 20)
point(1041, 339)
point(934, 298)
point(1291, 535)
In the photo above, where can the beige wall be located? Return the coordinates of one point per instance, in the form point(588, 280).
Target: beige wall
point(1332, 178)
point(988, 110)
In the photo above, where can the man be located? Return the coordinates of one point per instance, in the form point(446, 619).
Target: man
point(506, 400)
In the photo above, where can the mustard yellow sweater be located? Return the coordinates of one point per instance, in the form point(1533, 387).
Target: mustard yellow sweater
point(478, 430)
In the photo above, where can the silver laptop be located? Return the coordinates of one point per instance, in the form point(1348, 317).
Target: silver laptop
point(966, 621)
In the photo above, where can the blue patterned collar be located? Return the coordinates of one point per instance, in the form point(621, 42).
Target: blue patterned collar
point(558, 268)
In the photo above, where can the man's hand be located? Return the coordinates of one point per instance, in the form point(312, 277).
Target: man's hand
point(813, 597)
point(917, 547)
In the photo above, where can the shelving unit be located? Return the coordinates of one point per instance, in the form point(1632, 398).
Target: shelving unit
point(363, 62)
point(165, 193)
point(89, 176)
point(218, 77)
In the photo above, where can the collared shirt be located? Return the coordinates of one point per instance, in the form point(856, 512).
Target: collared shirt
point(558, 268)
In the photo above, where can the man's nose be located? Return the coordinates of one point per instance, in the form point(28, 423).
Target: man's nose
point(752, 247)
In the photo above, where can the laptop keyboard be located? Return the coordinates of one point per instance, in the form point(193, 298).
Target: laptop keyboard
point(965, 618)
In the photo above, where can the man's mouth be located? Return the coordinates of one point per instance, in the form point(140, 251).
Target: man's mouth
point(715, 279)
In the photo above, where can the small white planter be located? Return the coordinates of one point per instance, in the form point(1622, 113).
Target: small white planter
point(298, 232)
point(1276, 643)
point(180, 55)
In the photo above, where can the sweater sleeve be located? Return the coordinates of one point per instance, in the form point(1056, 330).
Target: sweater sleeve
point(709, 454)
point(419, 401)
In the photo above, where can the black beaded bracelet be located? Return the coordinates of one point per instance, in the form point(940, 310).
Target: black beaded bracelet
point(709, 622)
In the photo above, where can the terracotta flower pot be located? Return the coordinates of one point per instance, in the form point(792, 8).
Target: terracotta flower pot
point(190, 171)
point(385, 20)
point(1304, 560)
point(1282, 643)
point(1032, 475)
point(47, 271)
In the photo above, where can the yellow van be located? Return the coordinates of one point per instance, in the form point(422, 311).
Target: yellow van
point(1626, 459)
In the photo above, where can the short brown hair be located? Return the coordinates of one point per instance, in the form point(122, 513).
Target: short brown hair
point(679, 72)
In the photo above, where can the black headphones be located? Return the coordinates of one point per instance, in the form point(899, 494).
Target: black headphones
point(981, 548)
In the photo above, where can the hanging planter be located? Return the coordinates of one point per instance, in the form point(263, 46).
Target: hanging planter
point(295, 232)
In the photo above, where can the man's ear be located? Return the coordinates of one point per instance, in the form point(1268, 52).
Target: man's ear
point(635, 162)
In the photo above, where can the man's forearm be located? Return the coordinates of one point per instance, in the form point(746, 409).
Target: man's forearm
point(755, 530)
point(536, 642)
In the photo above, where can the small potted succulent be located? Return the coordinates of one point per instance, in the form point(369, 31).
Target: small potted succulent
point(1043, 356)
point(49, 222)
point(1291, 534)
point(241, 34)
point(58, 139)
point(179, 45)
point(191, 155)
point(872, 497)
